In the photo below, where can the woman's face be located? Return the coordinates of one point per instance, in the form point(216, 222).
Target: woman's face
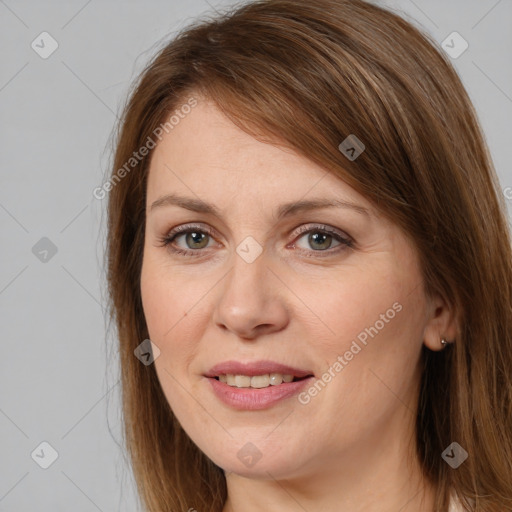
point(332, 295)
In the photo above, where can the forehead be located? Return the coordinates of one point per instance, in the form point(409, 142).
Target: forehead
point(207, 155)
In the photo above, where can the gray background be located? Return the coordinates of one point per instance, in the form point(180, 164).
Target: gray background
point(59, 374)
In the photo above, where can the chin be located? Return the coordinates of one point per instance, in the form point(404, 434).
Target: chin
point(251, 462)
point(262, 470)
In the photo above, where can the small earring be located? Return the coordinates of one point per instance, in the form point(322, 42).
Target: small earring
point(444, 342)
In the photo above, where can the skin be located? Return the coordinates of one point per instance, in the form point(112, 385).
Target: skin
point(351, 447)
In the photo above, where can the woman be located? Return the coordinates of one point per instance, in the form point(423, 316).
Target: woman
point(305, 221)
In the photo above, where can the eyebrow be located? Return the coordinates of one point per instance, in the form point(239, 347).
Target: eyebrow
point(284, 210)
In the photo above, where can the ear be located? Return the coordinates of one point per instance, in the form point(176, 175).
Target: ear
point(441, 323)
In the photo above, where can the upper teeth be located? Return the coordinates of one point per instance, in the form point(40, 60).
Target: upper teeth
point(257, 381)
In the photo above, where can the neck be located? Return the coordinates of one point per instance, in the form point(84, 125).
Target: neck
point(384, 476)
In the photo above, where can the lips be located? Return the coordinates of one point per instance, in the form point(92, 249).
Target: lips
point(253, 398)
point(256, 368)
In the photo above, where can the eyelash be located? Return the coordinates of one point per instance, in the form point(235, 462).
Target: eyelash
point(166, 241)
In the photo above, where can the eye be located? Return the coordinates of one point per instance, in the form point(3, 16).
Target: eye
point(195, 239)
point(320, 238)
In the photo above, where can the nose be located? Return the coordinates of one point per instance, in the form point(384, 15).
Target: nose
point(251, 301)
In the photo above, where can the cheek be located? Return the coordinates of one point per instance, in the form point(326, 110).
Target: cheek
point(375, 319)
point(173, 317)
point(162, 310)
point(165, 298)
point(362, 303)
point(155, 296)
point(165, 322)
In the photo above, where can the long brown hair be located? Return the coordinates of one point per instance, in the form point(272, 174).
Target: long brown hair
point(310, 74)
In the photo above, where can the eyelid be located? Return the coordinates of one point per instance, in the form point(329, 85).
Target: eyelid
point(322, 227)
point(190, 227)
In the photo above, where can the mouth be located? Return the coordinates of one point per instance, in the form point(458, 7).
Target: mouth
point(258, 381)
point(256, 385)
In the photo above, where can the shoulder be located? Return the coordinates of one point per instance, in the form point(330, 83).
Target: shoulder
point(456, 505)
